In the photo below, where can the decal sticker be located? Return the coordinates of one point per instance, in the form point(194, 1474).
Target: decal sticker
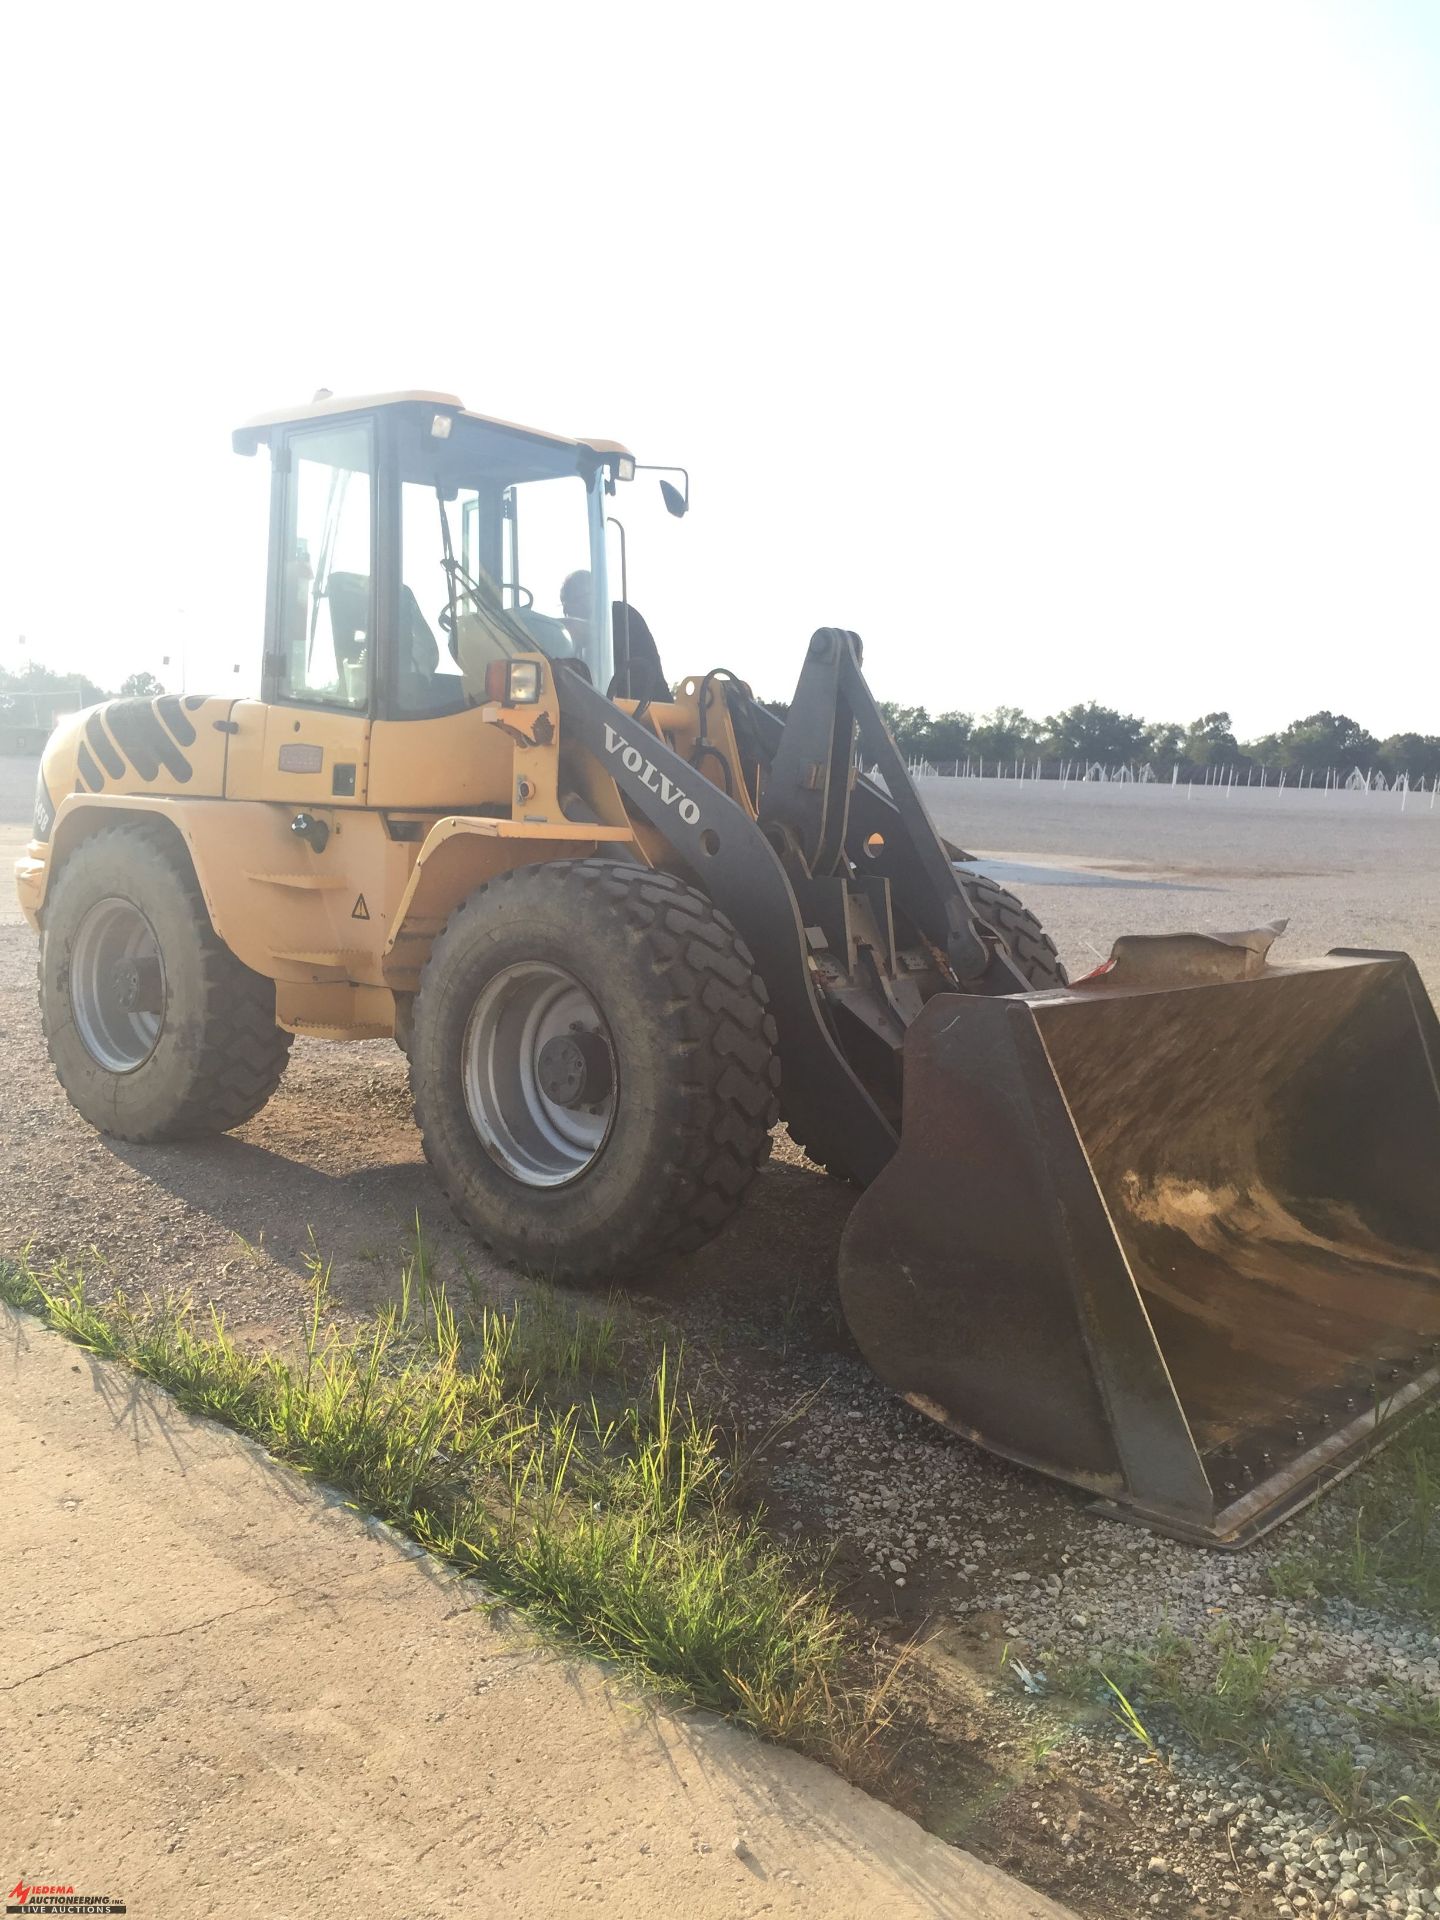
point(135, 727)
point(102, 746)
point(89, 773)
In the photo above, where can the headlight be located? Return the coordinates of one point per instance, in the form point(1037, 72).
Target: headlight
point(514, 683)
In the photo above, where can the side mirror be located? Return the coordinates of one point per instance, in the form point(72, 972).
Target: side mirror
point(675, 501)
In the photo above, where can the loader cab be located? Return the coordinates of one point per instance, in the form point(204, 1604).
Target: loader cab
point(412, 543)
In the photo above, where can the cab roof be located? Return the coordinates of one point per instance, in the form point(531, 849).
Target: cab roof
point(256, 432)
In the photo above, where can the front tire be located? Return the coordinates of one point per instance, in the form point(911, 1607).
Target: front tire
point(155, 1030)
point(593, 1064)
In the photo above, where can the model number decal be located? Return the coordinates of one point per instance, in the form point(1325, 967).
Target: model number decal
point(650, 776)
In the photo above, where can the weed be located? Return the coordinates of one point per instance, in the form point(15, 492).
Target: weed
point(1419, 1819)
point(1072, 1680)
point(1389, 1551)
point(1218, 1695)
point(18, 1287)
point(1295, 1576)
point(1124, 1715)
point(1333, 1777)
point(1224, 1695)
point(1405, 1717)
point(252, 1253)
point(1042, 1743)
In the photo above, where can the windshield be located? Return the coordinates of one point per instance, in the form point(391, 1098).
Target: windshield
point(496, 559)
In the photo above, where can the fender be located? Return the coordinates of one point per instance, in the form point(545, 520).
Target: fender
point(461, 853)
point(75, 819)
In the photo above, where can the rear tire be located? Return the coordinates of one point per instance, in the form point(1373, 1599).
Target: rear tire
point(594, 1069)
point(155, 1030)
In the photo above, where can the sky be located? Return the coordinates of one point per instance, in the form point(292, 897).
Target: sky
point(1063, 351)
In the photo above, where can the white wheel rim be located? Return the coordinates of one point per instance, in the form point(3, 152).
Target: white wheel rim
point(537, 1140)
point(117, 985)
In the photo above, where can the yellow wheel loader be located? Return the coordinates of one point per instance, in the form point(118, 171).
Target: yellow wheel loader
point(1171, 1233)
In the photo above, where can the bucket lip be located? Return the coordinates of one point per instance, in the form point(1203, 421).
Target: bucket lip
point(1303, 1479)
point(1099, 989)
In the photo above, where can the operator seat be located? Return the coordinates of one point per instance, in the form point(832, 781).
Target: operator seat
point(347, 595)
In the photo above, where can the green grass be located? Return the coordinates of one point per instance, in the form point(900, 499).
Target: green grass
point(1124, 1715)
point(1381, 1544)
point(1224, 1695)
point(512, 1446)
point(1420, 1819)
point(1218, 1694)
point(1410, 1719)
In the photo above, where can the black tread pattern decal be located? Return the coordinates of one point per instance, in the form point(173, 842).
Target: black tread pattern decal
point(85, 766)
point(139, 735)
point(102, 746)
point(175, 718)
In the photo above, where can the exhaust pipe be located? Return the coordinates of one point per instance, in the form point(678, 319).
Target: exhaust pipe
point(1171, 1234)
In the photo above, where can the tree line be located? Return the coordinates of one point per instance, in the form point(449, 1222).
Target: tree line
point(1090, 735)
point(1086, 734)
point(38, 679)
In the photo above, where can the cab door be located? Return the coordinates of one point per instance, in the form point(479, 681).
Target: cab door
point(307, 741)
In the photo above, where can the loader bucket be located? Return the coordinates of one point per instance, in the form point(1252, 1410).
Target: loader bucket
point(1177, 1244)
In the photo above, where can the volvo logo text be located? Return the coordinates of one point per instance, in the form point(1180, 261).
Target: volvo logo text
point(649, 776)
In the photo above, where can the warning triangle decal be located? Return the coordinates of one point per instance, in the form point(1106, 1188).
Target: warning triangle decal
point(359, 911)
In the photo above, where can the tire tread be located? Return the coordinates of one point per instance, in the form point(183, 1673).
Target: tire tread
point(1024, 939)
point(719, 1032)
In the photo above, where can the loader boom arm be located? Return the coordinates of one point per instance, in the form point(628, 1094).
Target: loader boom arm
point(834, 820)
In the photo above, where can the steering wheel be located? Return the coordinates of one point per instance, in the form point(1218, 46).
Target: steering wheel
point(523, 605)
point(443, 620)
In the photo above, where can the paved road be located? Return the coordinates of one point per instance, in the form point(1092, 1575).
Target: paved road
point(222, 1694)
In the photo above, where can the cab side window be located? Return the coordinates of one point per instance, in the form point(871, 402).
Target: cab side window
point(327, 609)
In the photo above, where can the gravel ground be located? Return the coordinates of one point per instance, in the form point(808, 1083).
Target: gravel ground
point(932, 1539)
